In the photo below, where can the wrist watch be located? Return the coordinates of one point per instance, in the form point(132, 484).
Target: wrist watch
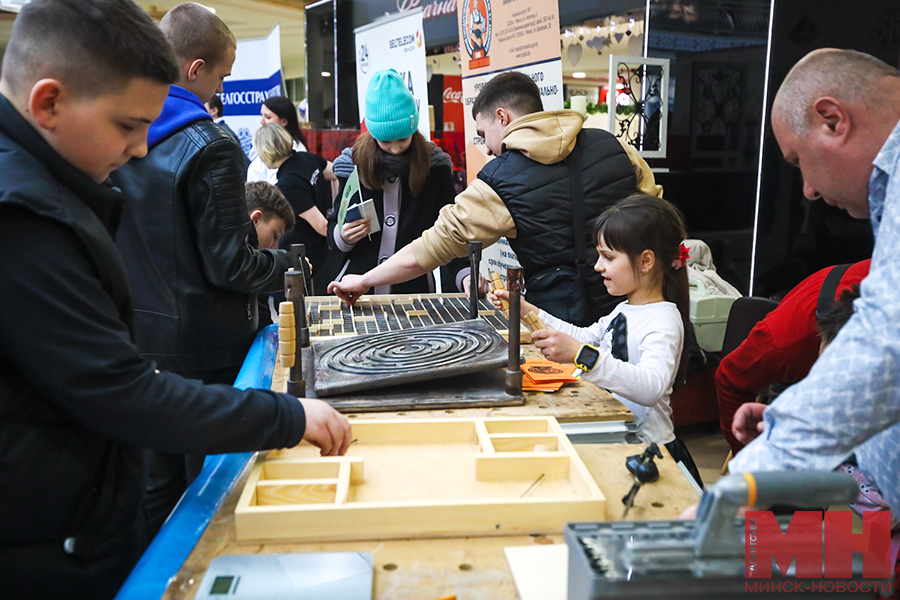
point(586, 359)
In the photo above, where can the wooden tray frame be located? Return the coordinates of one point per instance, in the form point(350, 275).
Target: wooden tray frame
point(317, 507)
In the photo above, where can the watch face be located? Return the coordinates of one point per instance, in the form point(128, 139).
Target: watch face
point(587, 357)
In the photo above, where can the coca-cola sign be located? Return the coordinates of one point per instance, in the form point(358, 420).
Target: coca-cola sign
point(452, 96)
point(438, 8)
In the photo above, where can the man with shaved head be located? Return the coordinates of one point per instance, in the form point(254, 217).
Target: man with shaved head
point(837, 118)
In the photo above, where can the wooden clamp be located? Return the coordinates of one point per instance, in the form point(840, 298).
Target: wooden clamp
point(287, 335)
point(531, 320)
point(497, 284)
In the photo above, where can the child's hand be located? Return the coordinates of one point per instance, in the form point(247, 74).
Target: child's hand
point(355, 231)
point(525, 306)
point(483, 285)
point(748, 422)
point(555, 345)
point(495, 299)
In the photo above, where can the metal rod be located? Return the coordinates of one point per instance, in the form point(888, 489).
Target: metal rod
point(474, 268)
point(293, 291)
point(299, 251)
point(531, 487)
point(513, 370)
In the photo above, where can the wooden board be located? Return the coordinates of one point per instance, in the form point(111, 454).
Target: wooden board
point(664, 499)
point(423, 478)
point(328, 317)
point(471, 568)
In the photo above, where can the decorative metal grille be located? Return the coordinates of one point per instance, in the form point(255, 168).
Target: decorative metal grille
point(638, 102)
point(716, 126)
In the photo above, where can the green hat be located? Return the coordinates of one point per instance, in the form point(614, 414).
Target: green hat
point(390, 108)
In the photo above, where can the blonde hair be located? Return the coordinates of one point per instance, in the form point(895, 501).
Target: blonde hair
point(272, 143)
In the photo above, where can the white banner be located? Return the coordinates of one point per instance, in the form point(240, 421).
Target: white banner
point(394, 43)
point(499, 36)
point(255, 76)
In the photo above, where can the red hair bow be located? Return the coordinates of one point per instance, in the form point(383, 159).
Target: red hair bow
point(681, 260)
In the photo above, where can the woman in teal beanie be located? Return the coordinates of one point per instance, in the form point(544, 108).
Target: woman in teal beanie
point(406, 175)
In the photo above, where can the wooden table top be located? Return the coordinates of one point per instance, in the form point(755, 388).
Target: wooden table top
point(471, 568)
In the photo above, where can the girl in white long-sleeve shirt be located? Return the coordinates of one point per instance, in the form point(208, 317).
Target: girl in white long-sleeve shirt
point(636, 351)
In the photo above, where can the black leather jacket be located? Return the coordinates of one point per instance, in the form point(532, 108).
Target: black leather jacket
point(186, 203)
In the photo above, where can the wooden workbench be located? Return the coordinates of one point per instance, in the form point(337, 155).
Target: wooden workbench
point(573, 403)
point(471, 568)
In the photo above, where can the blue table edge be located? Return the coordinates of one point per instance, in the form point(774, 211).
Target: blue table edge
point(181, 532)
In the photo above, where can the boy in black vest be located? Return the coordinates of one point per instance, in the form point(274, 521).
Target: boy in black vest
point(81, 82)
point(526, 195)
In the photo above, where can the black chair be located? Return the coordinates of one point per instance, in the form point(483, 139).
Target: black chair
point(745, 313)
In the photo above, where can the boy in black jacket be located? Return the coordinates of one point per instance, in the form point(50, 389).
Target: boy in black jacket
point(81, 82)
point(187, 220)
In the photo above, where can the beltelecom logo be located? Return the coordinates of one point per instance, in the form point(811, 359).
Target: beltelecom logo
point(819, 547)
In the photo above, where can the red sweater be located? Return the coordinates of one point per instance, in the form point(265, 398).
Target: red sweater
point(781, 348)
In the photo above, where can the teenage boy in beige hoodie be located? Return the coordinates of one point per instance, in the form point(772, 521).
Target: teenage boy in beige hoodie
point(525, 195)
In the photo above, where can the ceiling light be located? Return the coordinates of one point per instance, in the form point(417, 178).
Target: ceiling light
point(326, 74)
point(579, 75)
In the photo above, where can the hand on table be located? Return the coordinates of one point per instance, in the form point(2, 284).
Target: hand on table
point(349, 288)
point(748, 422)
point(355, 231)
point(555, 345)
point(326, 429)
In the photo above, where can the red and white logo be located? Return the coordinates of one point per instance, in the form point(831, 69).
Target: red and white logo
point(812, 553)
point(452, 96)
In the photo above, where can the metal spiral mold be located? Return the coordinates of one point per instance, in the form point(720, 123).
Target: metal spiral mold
point(407, 351)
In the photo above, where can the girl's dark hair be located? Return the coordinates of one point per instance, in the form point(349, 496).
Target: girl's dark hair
point(643, 222)
point(285, 109)
point(368, 157)
point(832, 321)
